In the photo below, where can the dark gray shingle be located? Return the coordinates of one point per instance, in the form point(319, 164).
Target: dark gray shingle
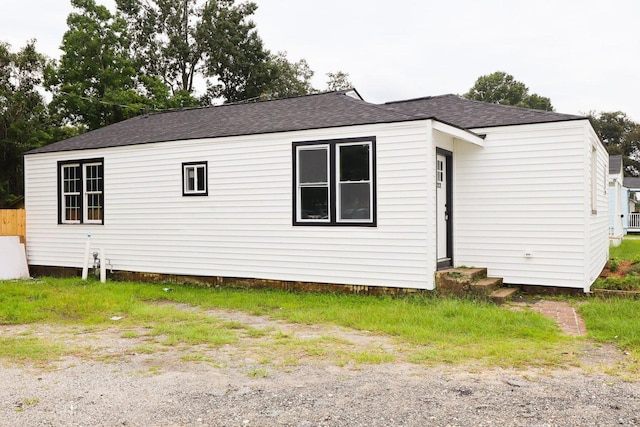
point(469, 114)
point(332, 109)
point(631, 182)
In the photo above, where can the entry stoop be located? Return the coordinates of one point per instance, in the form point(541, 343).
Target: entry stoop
point(472, 282)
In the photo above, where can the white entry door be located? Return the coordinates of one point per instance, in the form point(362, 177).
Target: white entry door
point(443, 251)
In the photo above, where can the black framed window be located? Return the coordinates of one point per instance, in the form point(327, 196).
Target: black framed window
point(334, 182)
point(194, 179)
point(81, 192)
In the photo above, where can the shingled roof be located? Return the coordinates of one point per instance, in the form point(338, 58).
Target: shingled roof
point(330, 109)
point(632, 182)
point(469, 114)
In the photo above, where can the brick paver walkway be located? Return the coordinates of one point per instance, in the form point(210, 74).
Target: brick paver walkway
point(564, 314)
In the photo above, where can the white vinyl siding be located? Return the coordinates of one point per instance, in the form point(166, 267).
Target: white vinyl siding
point(528, 192)
point(597, 249)
point(244, 228)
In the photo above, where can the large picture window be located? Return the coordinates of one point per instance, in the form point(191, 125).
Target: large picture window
point(334, 182)
point(81, 192)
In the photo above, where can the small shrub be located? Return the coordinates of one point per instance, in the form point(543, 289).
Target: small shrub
point(629, 283)
point(614, 265)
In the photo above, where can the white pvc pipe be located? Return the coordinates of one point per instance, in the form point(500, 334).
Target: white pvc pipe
point(85, 264)
point(103, 266)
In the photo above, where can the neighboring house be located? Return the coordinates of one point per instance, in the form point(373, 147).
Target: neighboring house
point(328, 188)
point(632, 184)
point(618, 201)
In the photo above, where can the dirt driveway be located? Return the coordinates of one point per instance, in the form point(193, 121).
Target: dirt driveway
point(118, 381)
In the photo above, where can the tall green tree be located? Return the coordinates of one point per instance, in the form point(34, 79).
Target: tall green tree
point(503, 88)
point(181, 40)
point(620, 135)
point(98, 80)
point(24, 122)
point(287, 78)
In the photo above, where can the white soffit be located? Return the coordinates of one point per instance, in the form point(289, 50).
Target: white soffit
point(459, 134)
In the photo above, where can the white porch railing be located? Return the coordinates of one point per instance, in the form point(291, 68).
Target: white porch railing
point(634, 221)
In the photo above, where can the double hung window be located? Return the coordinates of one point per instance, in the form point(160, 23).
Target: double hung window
point(81, 192)
point(334, 182)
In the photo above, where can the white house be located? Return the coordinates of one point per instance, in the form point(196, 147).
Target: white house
point(328, 188)
point(618, 201)
point(632, 186)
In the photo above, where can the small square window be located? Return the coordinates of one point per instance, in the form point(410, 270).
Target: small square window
point(194, 179)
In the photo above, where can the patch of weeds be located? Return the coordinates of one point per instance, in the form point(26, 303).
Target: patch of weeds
point(290, 361)
point(155, 370)
point(258, 373)
point(233, 325)
point(130, 334)
point(282, 335)
point(194, 332)
point(144, 349)
point(197, 357)
point(25, 403)
point(372, 358)
point(265, 360)
point(629, 283)
point(30, 349)
point(255, 333)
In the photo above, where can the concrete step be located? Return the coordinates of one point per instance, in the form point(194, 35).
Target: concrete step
point(473, 274)
point(484, 287)
point(502, 295)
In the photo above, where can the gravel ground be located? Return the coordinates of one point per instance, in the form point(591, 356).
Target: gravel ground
point(116, 386)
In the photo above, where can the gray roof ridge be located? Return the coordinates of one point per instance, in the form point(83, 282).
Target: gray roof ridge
point(421, 98)
point(255, 100)
point(519, 108)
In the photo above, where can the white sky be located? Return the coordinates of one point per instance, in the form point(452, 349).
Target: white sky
point(582, 54)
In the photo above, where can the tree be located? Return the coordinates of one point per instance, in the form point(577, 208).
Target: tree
point(620, 135)
point(502, 88)
point(24, 122)
point(97, 81)
point(338, 81)
point(179, 40)
point(287, 78)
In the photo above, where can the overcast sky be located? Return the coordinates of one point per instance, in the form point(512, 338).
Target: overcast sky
point(582, 54)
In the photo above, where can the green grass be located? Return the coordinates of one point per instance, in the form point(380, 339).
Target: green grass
point(29, 349)
point(629, 249)
point(438, 330)
point(615, 321)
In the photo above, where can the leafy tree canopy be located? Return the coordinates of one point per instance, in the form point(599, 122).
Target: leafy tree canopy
point(24, 121)
point(620, 135)
point(502, 88)
point(98, 81)
point(338, 81)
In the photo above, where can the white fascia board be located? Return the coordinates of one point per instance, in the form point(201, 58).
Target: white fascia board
point(459, 134)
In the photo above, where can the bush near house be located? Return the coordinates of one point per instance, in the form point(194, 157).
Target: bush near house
point(622, 272)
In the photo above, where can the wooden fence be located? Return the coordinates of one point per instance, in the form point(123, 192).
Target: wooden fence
point(13, 222)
